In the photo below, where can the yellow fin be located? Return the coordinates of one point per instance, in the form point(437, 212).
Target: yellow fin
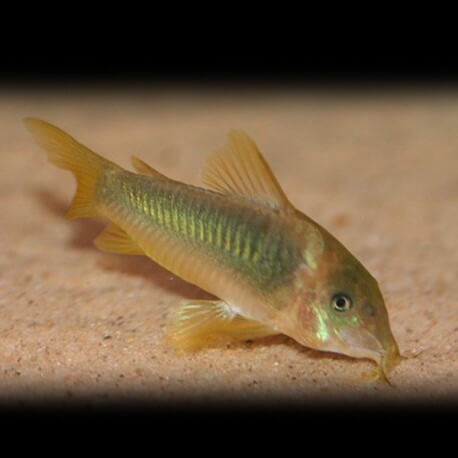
point(65, 152)
point(239, 168)
point(114, 240)
point(199, 323)
point(145, 169)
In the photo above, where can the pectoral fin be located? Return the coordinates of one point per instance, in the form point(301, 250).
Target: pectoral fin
point(199, 323)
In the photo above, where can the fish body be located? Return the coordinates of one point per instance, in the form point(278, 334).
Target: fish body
point(274, 269)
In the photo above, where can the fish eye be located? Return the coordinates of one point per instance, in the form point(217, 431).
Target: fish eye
point(341, 302)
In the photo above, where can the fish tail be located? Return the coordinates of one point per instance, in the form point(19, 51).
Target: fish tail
point(66, 153)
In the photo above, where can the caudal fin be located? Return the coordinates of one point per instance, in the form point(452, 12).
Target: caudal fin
point(65, 152)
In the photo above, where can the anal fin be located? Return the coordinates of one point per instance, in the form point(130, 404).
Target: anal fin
point(114, 240)
point(199, 323)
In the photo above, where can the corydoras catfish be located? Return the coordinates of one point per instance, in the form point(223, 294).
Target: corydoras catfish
point(273, 269)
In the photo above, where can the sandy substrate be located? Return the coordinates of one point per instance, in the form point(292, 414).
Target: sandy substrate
point(379, 171)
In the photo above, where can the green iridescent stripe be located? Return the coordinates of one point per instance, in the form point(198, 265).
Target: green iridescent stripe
point(238, 238)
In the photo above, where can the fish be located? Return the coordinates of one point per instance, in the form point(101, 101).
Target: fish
point(272, 269)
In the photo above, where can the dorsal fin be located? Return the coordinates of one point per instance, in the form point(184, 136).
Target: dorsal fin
point(239, 168)
point(145, 169)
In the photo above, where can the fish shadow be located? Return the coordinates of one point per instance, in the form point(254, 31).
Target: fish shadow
point(282, 339)
point(82, 238)
point(84, 230)
point(141, 266)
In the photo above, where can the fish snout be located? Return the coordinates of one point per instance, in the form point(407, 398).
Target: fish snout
point(363, 343)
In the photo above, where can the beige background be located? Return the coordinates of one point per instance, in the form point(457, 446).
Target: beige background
point(379, 170)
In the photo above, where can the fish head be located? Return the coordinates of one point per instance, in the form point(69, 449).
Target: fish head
point(342, 309)
point(358, 318)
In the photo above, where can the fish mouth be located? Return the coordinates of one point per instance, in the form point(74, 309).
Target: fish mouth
point(363, 344)
point(390, 358)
